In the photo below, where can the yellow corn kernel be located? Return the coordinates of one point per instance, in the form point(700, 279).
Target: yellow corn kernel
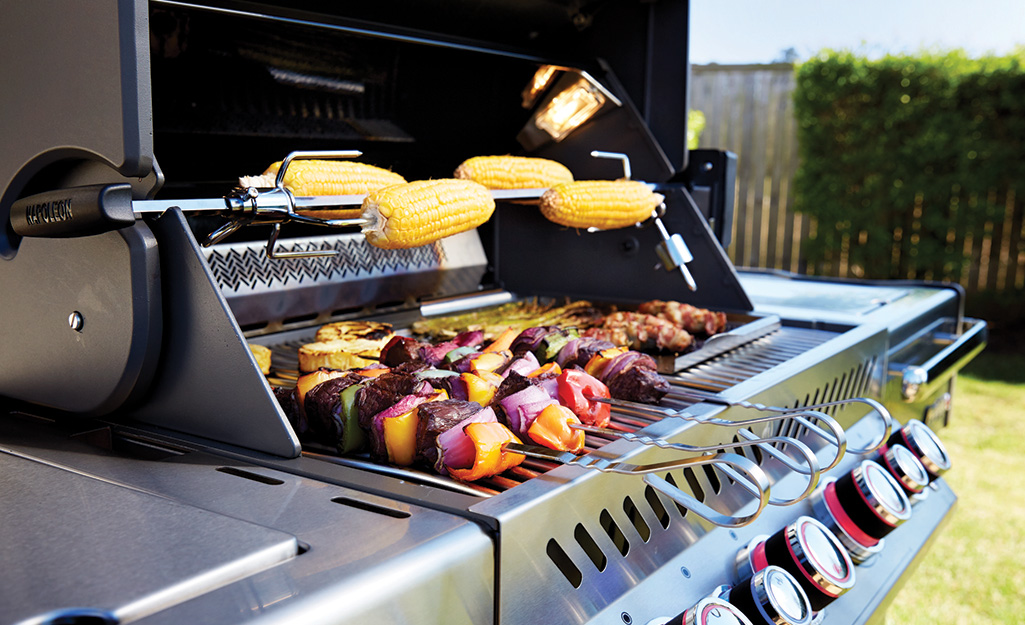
point(602, 204)
point(513, 172)
point(421, 212)
point(326, 177)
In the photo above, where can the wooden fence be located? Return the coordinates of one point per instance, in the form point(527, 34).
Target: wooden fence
point(748, 110)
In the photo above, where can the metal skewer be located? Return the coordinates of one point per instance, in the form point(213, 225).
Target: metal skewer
point(812, 470)
point(756, 481)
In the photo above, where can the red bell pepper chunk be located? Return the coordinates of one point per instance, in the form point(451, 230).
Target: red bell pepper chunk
point(576, 391)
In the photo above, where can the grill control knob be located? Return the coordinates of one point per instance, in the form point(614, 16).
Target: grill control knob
point(810, 553)
point(710, 611)
point(923, 442)
point(906, 468)
point(772, 597)
point(861, 507)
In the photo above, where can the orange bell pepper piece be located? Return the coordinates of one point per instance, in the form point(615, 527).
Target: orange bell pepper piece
point(596, 365)
point(503, 341)
point(552, 429)
point(552, 367)
point(491, 459)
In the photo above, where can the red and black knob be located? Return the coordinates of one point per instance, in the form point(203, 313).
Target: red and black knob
point(711, 611)
point(772, 597)
point(868, 502)
point(810, 553)
point(906, 468)
point(925, 444)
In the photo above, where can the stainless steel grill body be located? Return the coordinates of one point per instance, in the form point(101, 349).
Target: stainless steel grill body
point(150, 475)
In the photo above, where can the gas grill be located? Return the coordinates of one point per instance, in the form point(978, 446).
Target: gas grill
point(150, 474)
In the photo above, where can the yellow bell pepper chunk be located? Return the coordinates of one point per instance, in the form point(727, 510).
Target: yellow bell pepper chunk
point(478, 389)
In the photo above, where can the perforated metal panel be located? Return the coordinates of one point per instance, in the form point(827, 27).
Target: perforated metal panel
point(261, 290)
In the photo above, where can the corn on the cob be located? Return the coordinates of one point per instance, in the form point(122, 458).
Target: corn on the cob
point(513, 172)
point(326, 177)
point(603, 204)
point(421, 212)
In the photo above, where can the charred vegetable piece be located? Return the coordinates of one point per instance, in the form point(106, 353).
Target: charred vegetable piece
point(489, 458)
point(503, 342)
point(578, 351)
point(552, 429)
point(353, 438)
point(551, 343)
point(576, 391)
point(552, 368)
point(522, 407)
point(530, 339)
point(596, 365)
point(490, 361)
point(456, 450)
point(524, 364)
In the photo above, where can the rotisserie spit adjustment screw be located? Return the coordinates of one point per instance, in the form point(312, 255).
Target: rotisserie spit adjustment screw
point(771, 597)
point(710, 611)
point(861, 507)
point(810, 553)
point(924, 443)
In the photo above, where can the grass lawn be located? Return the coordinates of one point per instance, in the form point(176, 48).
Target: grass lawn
point(975, 571)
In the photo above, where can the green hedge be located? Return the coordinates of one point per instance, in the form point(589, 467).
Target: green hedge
point(908, 163)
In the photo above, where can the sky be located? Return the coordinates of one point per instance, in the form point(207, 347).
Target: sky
point(753, 31)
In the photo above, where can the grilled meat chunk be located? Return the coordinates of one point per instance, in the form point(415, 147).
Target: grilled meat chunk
point(690, 318)
point(633, 376)
point(322, 409)
point(384, 391)
point(436, 417)
point(642, 331)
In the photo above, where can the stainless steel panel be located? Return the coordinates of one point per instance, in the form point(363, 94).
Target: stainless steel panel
point(364, 558)
point(86, 543)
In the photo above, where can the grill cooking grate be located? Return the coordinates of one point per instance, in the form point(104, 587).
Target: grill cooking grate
point(717, 374)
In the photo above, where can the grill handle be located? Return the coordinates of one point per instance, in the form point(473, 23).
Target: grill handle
point(921, 380)
point(74, 212)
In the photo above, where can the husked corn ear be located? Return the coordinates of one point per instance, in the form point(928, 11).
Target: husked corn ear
point(513, 172)
point(326, 177)
point(421, 212)
point(604, 204)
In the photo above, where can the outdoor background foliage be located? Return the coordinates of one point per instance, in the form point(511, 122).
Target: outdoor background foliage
point(912, 167)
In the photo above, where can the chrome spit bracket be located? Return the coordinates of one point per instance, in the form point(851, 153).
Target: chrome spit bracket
point(672, 250)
